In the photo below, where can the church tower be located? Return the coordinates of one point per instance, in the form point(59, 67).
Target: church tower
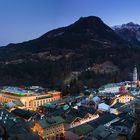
point(135, 75)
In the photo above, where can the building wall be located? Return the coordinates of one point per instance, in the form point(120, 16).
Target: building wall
point(25, 100)
point(37, 128)
point(31, 101)
point(125, 98)
point(86, 119)
point(41, 100)
point(49, 133)
point(37, 102)
point(71, 136)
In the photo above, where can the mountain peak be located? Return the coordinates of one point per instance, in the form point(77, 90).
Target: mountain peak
point(90, 24)
point(129, 25)
point(57, 53)
point(90, 20)
point(129, 32)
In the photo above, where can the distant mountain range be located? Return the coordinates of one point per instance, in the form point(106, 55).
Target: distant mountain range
point(129, 32)
point(86, 31)
point(50, 59)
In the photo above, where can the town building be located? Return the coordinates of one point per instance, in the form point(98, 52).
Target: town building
point(47, 108)
point(103, 120)
point(49, 128)
point(80, 115)
point(78, 132)
point(27, 99)
point(125, 98)
point(106, 133)
point(114, 87)
point(103, 107)
point(114, 108)
point(13, 128)
point(135, 91)
point(27, 115)
point(126, 126)
point(109, 88)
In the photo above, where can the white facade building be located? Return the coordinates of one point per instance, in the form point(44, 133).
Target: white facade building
point(109, 88)
point(103, 107)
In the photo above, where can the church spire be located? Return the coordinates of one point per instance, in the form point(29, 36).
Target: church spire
point(135, 75)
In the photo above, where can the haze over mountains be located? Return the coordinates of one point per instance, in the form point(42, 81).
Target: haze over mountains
point(50, 59)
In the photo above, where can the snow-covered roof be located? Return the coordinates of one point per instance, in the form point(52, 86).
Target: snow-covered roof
point(103, 107)
point(96, 99)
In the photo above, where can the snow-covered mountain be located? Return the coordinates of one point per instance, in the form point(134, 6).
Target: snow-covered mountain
point(129, 32)
point(130, 25)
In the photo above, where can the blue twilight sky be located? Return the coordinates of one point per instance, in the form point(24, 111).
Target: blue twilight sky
point(22, 20)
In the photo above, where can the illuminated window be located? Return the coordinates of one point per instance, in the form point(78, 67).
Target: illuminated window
point(37, 103)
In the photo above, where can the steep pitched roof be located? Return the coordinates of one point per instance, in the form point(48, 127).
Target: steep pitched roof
point(26, 114)
point(117, 105)
point(82, 129)
point(102, 120)
point(101, 132)
point(48, 122)
point(18, 103)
